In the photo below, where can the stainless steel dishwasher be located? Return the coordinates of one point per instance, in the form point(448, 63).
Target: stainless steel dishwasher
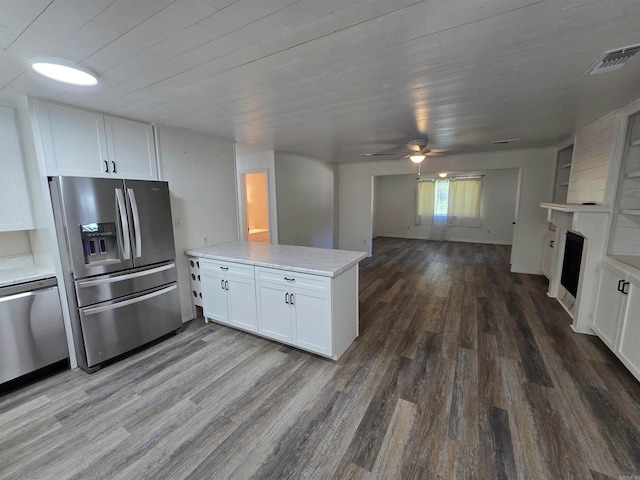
point(31, 328)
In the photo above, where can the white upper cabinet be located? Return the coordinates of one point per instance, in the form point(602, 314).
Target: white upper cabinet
point(87, 144)
point(15, 208)
point(131, 147)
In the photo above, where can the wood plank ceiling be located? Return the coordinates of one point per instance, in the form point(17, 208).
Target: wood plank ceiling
point(334, 78)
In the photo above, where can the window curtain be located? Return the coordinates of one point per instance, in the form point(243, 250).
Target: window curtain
point(425, 202)
point(464, 203)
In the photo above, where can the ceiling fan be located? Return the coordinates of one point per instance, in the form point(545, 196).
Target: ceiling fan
point(417, 151)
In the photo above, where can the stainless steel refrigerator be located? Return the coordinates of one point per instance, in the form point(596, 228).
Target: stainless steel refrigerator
point(118, 257)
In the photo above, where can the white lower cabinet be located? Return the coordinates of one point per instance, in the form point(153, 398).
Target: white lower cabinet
point(312, 312)
point(295, 308)
point(617, 314)
point(229, 294)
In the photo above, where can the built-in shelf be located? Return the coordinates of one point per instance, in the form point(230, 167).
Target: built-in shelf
point(630, 211)
point(635, 143)
point(573, 207)
point(633, 174)
point(566, 165)
point(563, 184)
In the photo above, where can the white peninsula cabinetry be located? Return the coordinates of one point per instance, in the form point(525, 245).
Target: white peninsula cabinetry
point(617, 315)
point(88, 144)
point(300, 296)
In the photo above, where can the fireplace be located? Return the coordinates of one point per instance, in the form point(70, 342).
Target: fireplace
point(571, 262)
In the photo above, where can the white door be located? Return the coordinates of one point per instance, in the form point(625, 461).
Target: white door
point(241, 298)
point(132, 150)
point(274, 312)
point(629, 349)
point(215, 296)
point(608, 304)
point(74, 141)
point(312, 321)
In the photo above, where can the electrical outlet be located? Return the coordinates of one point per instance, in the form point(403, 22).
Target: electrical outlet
point(205, 241)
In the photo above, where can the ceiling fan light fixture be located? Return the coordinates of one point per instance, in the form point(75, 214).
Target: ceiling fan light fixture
point(417, 158)
point(64, 71)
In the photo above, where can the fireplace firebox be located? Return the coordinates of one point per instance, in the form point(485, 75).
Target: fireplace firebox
point(571, 262)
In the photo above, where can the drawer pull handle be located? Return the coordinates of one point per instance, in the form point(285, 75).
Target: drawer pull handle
point(224, 268)
point(226, 284)
point(286, 298)
point(291, 299)
point(222, 284)
point(290, 279)
point(621, 285)
point(625, 290)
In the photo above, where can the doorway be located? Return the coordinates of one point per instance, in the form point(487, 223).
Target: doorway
point(256, 207)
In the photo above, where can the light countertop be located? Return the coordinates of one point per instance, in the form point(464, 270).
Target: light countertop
point(15, 270)
point(316, 261)
point(632, 261)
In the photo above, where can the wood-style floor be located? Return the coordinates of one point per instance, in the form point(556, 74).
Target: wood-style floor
point(461, 370)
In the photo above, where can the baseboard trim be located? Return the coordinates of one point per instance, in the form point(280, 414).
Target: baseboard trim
point(457, 240)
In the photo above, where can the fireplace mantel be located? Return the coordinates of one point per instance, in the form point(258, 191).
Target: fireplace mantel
point(592, 222)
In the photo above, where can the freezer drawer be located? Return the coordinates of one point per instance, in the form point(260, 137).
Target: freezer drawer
point(31, 332)
point(106, 287)
point(115, 327)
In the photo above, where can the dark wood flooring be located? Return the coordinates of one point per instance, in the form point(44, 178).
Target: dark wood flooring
point(461, 370)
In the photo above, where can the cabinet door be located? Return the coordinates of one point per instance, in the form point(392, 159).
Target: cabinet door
point(274, 313)
point(214, 296)
point(15, 209)
point(312, 321)
point(608, 304)
point(132, 150)
point(241, 298)
point(629, 343)
point(73, 141)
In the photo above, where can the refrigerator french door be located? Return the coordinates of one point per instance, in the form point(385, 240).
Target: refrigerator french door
point(118, 253)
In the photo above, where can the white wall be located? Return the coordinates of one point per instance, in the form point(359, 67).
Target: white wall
point(305, 193)
point(355, 219)
point(201, 175)
point(395, 209)
point(248, 160)
point(14, 243)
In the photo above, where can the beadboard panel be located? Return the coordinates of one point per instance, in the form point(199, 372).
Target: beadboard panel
point(591, 160)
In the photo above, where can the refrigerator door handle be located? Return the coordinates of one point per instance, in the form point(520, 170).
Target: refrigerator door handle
point(136, 221)
point(142, 298)
point(128, 276)
point(125, 244)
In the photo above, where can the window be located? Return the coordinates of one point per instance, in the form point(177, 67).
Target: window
point(442, 198)
point(454, 201)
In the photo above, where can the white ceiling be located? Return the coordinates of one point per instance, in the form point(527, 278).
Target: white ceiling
point(330, 79)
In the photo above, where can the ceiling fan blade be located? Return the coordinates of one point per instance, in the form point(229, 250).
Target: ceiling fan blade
point(380, 154)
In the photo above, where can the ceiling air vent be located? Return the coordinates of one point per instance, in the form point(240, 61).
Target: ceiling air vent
point(613, 59)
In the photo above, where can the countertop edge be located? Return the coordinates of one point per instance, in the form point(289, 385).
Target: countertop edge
point(15, 278)
point(289, 268)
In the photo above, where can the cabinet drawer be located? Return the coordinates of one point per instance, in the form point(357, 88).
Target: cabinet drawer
point(294, 279)
point(230, 268)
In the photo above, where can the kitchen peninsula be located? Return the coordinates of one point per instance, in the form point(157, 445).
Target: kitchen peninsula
point(301, 296)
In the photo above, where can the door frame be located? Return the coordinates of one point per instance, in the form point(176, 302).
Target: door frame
point(242, 221)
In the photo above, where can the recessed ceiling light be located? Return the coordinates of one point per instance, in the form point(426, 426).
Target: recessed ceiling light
point(63, 71)
point(417, 158)
point(504, 142)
